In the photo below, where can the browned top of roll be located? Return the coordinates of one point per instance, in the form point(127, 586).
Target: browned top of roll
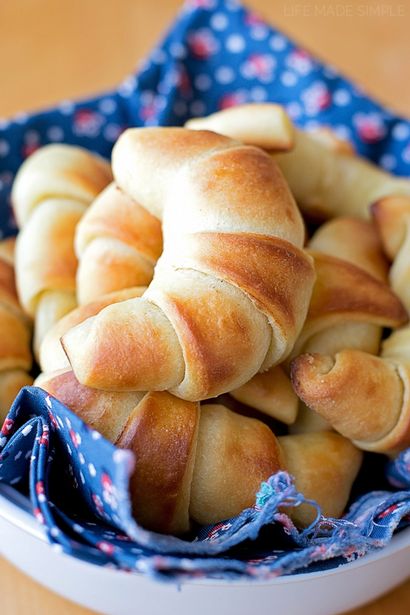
point(343, 291)
point(162, 432)
point(231, 290)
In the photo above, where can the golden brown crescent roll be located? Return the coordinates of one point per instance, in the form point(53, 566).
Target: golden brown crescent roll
point(206, 463)
point(168, 436)
point(344, 310)
point(392, 217)
point(105, 411)
point(265, 125)
point(308, 421)
point(348, 309)
point(271, 393)
point(15, 333)
point(365, 398)
point(50, 193)
point(52, 355)
point(231, 290)
point(337, 182)
point(234, 455)
point(325, 466)
point(117, 243)
point(353, 240)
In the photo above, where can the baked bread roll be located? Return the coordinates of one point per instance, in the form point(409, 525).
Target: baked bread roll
point(50, 193)
point(392, 217)
point(325, 466)
point(231, 290)
point(270, 393)
point(264, 125)
point(340, 290)
point(234, 455)
point(348, 308)
point(117, 244)
point(365, 398)
point(166, 433)
point(52, 356)
point(353, 240)
point(308, 421)
point(337, 184)
point(206, 463)
point(15, 333)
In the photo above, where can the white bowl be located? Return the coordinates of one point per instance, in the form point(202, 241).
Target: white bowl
point(113, 592)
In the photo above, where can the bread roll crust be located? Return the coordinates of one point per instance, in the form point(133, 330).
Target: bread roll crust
point(118, 243)
point(271, 393)
point(162, 433)
point(324, 466)
point(353, 240)
point(345, 293)
point(264, 125)
point(207, 190)
point(365, 398)
point(51, 191)
point(57, 171)
point(105, 411)
point(234, 455)
point(15, 333)
point(346, 390)
point(52, 355)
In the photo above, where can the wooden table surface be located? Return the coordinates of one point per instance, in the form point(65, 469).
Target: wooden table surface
point(53, 50)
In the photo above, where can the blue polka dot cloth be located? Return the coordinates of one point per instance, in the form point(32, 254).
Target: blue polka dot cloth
point(78, 485)
point(216, 54)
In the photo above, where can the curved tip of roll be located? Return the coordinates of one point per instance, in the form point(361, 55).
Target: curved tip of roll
point(309, 371)
point(74, 340)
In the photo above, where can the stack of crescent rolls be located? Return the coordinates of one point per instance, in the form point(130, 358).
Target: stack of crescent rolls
point(219, 305)
point(15, 333)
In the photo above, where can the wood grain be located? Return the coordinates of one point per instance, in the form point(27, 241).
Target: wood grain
point(56, 50)
point(53, 50)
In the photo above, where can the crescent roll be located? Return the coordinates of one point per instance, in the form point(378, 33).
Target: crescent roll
point(349, 240)
point(52, 356)
point(51, 192)
point(117, 244)
point(337, 183)
point(206, 463)
point(392, 217)
point(348, 309)
point(365, 398)
point(222, 305)
point(15, 333)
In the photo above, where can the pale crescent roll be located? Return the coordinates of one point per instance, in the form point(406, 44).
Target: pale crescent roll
point(51, 192)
